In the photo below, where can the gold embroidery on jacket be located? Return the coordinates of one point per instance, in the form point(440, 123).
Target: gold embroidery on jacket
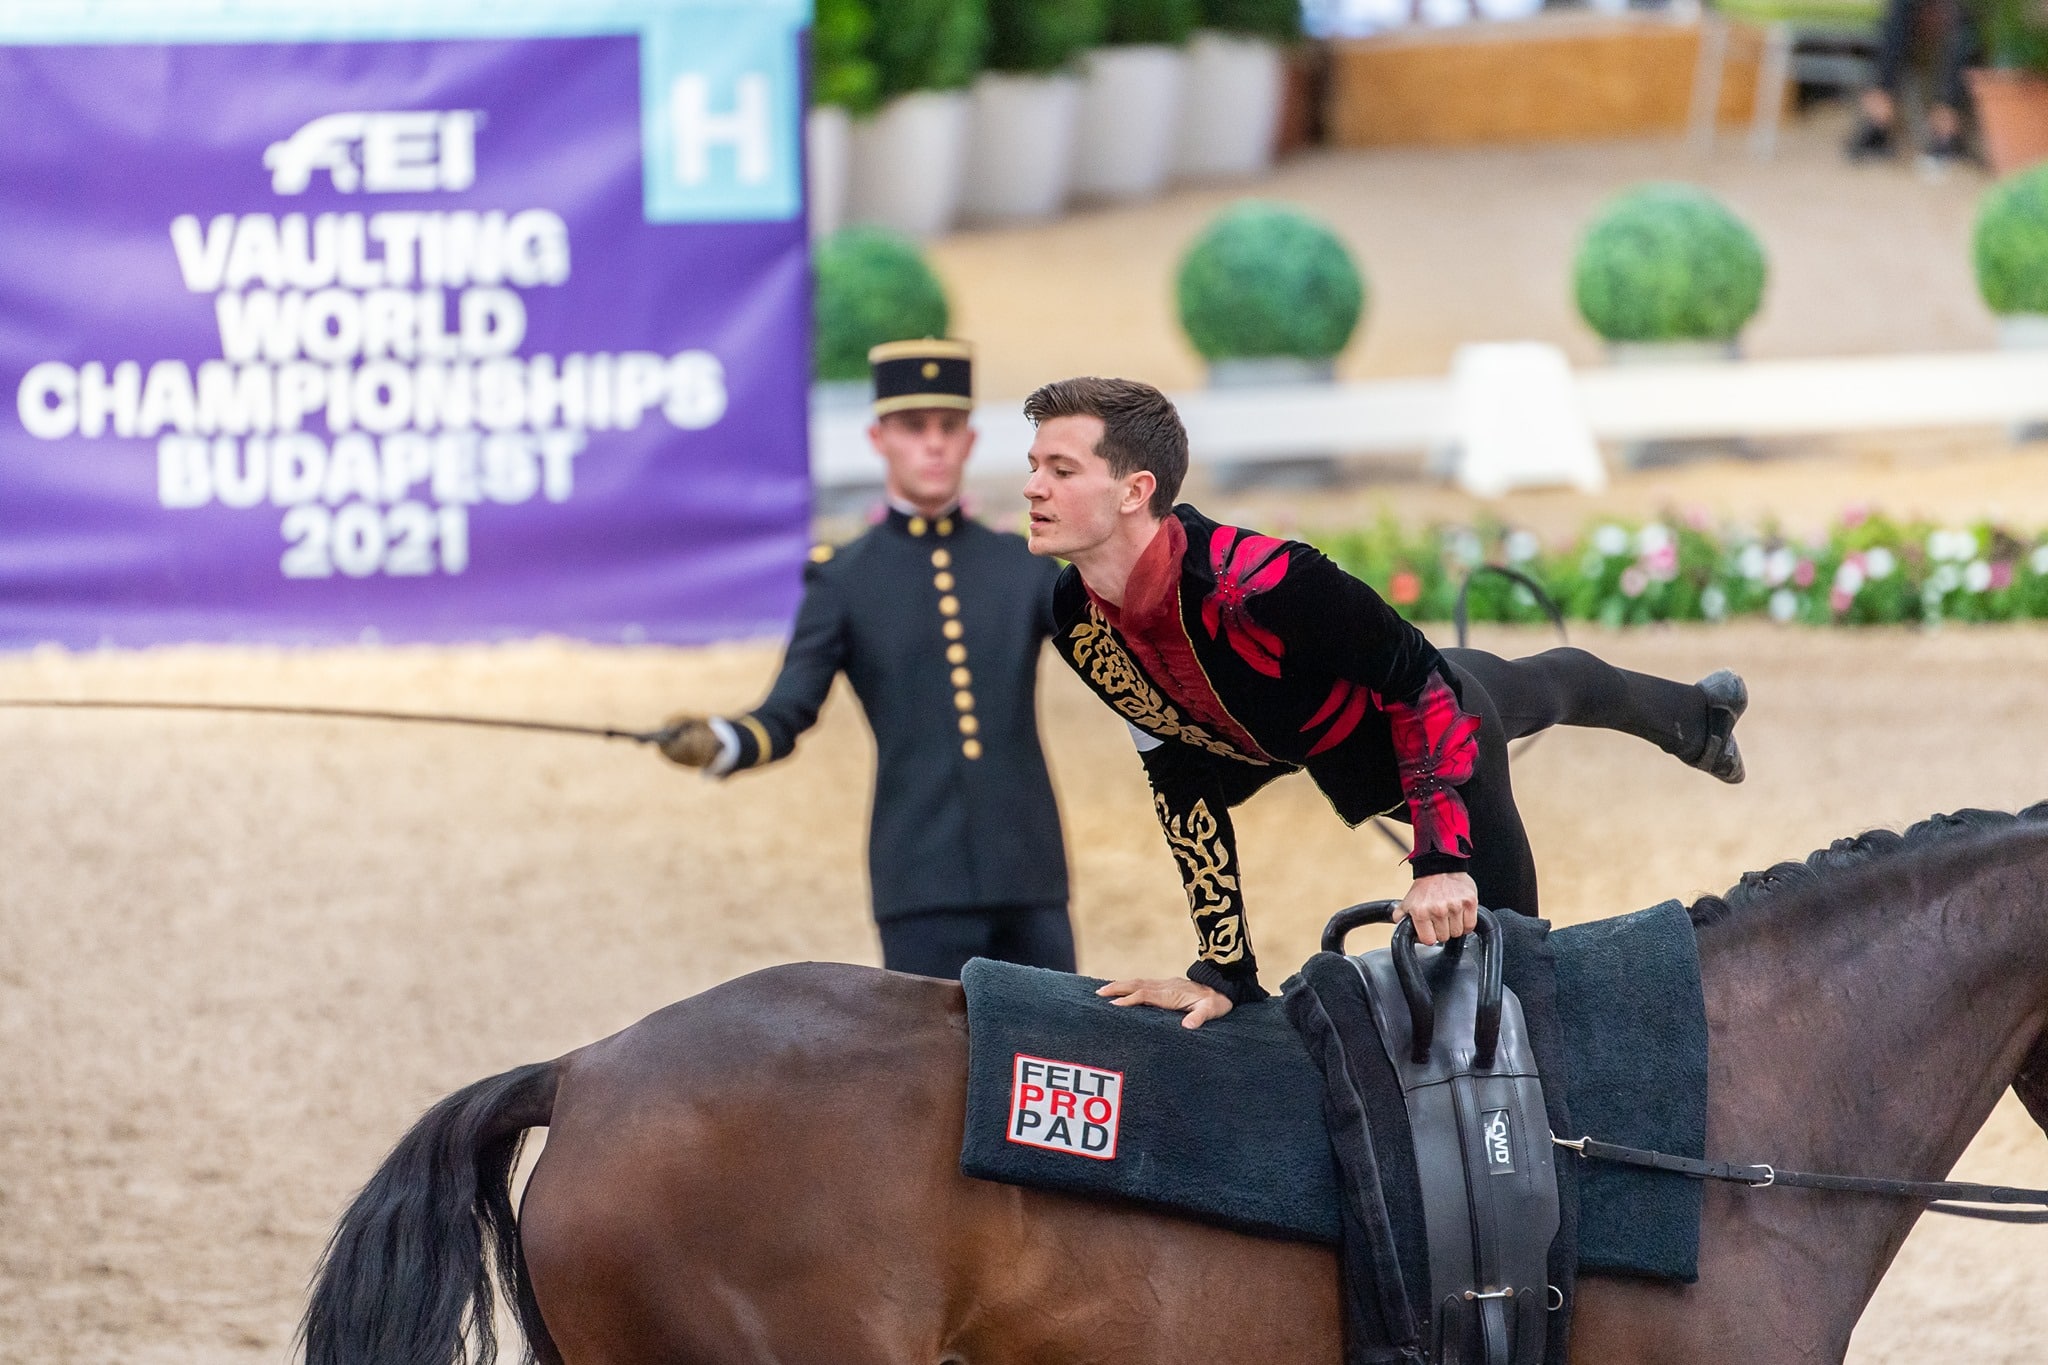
point(1125, 688)
point(1204, 859)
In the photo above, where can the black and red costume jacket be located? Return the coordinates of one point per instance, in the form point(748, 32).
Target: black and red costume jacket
point(1236, 658)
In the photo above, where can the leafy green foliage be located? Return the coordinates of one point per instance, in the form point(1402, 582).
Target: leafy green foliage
point(928, 44)
point(1868, 570)
point(1668, 262)
point(1038, 37)
point(842, 73)
point(1264, 279)
point(872, 286)
point(1150, 21)
point(1277, 21)
point(2015, 34)
point(2010, 244)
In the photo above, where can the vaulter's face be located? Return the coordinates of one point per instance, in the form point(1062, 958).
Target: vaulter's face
point(1074, 498)
point(927, 450)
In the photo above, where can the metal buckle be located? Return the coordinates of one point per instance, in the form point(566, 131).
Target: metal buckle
point(1575, 1144)
point(1556, 1297)
point(1473, 1294)
point(1770, 1178)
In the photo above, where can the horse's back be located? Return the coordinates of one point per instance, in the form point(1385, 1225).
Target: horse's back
point(770, 1171)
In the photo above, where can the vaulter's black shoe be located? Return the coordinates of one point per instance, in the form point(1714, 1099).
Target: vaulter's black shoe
point(1727, 699)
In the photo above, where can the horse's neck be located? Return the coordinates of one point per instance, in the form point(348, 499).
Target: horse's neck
point(1878, 1037)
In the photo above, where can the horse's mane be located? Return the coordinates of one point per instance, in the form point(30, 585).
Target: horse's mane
point(1846, 854)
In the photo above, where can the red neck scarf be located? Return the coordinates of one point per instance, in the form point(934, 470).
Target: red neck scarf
point(1150, 623)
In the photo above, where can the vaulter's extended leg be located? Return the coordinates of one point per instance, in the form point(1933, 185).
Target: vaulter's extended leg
point(1503, 867)
point(1693, 722)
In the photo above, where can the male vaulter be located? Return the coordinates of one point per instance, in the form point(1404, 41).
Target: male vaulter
point(937, 621)
point(1236, 657)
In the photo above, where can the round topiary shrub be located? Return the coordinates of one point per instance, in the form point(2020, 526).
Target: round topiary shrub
point(2011, 244)
point(1150, 21)
point(1040, 37)
point(1264, 279)
point(872, 286)
point(842, 73)
point(927, 44)
point(1668, 262)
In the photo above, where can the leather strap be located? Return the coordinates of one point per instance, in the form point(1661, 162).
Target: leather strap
point(1931, 1192)
point(1461, 610)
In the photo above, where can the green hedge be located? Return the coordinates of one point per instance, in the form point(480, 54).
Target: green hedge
point(1264, 279)
point(872, 286)
point(1150, 21)
point(1039, 37)
point(927, 44)
point(2011, 244)
point(1668, 262)
point(1868, 570)
point(1277, 21)
point(2014, 34)
point(842, 73)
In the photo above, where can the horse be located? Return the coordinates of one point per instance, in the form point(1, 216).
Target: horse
point(768, 1171)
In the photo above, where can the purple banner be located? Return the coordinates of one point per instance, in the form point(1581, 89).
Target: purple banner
point(374, 340)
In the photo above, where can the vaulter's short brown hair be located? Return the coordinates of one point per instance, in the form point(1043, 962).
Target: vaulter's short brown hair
point(1140, 429)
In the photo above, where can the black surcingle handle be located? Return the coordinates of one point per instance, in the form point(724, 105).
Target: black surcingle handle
point(1486, 1024)
point(1415, 984)
point(1356, 917)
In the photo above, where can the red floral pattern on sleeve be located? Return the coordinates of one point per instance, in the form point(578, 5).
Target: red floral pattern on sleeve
point(1437, 746)
point(1245, 566)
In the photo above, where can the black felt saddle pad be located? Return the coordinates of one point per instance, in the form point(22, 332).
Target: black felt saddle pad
point(1225, 1123)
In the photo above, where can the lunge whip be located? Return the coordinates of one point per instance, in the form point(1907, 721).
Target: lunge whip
point(550, 727)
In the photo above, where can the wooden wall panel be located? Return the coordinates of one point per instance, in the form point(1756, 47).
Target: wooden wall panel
point(1551, 78)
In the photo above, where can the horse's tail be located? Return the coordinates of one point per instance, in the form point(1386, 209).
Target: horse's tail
point(407, 1273)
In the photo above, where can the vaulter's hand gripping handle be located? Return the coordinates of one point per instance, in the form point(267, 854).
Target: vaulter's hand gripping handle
point(1415, 984)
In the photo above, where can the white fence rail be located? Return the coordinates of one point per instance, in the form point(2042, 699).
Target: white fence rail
point(1621, 403)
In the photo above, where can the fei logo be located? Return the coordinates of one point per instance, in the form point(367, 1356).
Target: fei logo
point(1065, 1107)
point(400, 152)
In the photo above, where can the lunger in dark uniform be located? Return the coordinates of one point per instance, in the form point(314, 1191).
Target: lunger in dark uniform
point(1236, 657)
point(937, 621)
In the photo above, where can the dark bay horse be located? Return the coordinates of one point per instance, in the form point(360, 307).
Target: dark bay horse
point(768, 1172)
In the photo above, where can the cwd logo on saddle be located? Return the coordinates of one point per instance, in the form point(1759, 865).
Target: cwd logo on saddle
point(1499, 1139)
point(1065, 1106)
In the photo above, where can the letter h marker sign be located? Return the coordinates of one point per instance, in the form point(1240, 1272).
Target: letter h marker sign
point(722, 97)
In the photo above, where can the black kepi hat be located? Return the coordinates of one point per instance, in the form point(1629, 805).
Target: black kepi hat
point(922, 374)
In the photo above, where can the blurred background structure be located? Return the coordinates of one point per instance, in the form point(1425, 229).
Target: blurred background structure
point(1549, 177)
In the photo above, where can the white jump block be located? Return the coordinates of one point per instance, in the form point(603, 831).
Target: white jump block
point(1518, 422)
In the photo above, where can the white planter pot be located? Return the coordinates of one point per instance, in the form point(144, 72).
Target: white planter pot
point(1130, 120)
point(1230, 107)
point(1629, 353)
point(1667, 451)
point(1020, 147)
point(828, 154)
point(1279, 373)
point(2023, 332)
point(841, 395)
point(907, 162)
point(1265, 371)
